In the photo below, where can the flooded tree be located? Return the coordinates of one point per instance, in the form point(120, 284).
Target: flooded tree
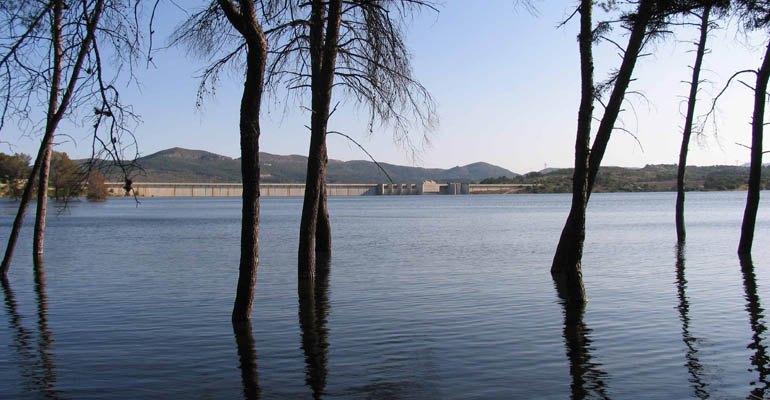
point(66, 177)
point(96, 190)
point(209, 33)
point(757, 16)
point(566, 268)
point(704, 26)
point(359, 48)
point(51, 51)
point(13, 170)
point(644, 22)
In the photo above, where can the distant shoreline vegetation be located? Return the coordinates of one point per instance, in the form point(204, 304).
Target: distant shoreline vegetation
point(651, 178)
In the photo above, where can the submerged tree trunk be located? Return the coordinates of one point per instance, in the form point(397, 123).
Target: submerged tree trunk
point(42, 205)
point(566, 267)
point(45, 161)
point(688, 122)
point(249, 127)
point(323, 52)
point(56, 110)
point(323, 236)
point(755, 170)
point(244, 20)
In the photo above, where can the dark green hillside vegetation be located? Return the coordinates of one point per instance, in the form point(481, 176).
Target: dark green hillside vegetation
point(182, 165)
point(651, 178)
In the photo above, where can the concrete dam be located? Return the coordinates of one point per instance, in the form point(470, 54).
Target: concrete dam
point(142, 189)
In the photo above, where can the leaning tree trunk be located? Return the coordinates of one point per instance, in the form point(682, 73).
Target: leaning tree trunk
point(567, 260)
point(566, 268)
point(56, 110)
point(755, 170)
point(24, 202)
point(704, 26)
point(623, 79)
point(323, 52)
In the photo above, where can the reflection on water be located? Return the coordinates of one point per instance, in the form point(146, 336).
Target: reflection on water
point(38, 369)
point(313, 314)
point(588, 379)
point(693, 364)
point(760, 358)
point(247, 354)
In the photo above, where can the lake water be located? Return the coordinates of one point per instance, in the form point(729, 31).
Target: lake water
point(445, 297)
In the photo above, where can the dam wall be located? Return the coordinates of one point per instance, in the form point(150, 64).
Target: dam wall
point(141, 189)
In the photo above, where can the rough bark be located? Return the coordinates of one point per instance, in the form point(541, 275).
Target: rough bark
point(755, 170)
point(611, 112)
point(566, 268)
point(688, 122)
point(244, 20)
point(323, 237)
point(56, 110)
point(323, 52)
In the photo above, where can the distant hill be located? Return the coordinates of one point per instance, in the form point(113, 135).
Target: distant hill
point(658, 178)
point(183, 165)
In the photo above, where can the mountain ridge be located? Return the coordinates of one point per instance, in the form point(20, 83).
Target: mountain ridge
point(185, 165)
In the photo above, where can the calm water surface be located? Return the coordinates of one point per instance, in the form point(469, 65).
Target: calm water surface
point(429, 297)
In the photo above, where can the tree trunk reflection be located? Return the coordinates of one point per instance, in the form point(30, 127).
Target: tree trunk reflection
point(588, 380)
point(313, 313)
point(39, 370)
point(756, 316)
point(694, 367)
point(247, 354)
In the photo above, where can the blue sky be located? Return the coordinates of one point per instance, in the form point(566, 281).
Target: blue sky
point(506, 84)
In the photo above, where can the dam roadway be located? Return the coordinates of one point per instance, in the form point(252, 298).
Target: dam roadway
point(170, 189)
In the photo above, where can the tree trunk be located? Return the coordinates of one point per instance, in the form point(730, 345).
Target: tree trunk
point(249, 127)
point(43, 160)
point(24, 202)
point(323, 238)
point(704, 27)
point(243, 18)
point(56, 111)
point(323, 52)
point(611, 112)
point(755, 170)
point(566, 268)
point(42, 203)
